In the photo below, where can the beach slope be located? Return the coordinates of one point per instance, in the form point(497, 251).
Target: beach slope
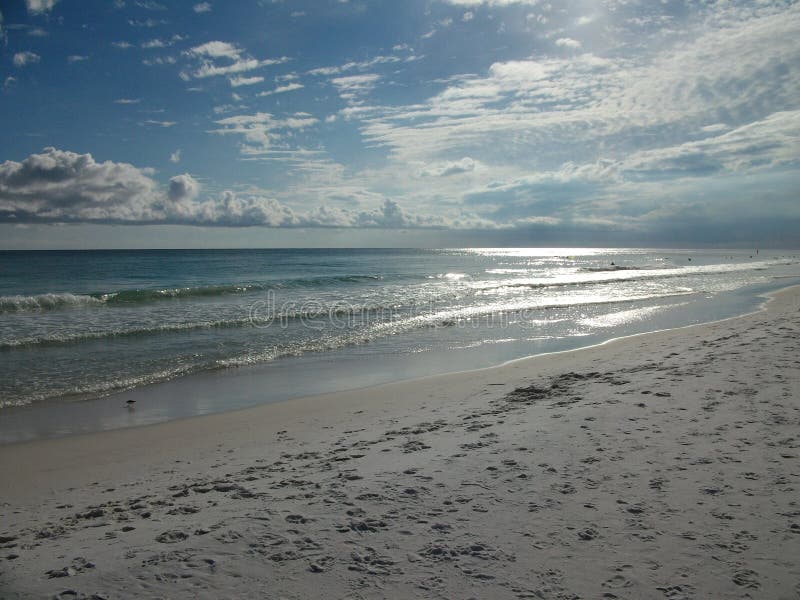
point(661, 465)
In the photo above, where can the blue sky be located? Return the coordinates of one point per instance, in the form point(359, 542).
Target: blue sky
point(149, 123)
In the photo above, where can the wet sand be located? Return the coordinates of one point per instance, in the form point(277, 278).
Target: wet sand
point(661, 465)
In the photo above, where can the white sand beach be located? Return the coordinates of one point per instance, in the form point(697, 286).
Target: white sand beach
point(665, 465)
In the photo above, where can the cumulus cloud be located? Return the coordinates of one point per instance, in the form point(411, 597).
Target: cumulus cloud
point(202, 7)
point(700, 98)
point(234, 210)
point(23, 59)
point(58, 186)
point(182, 188)
point(390, 215)
point(175, 157)
point(39, 7)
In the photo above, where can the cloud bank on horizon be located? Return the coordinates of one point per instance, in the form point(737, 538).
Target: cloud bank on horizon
point(676, 121)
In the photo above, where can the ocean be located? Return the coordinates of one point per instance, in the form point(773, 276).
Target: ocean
point(181, 331)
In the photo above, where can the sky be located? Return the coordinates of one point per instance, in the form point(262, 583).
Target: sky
point(155, 123)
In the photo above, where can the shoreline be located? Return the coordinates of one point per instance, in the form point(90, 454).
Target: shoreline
point(766, 298)
point(657, 460)
point(328, 401)
point(198, 394)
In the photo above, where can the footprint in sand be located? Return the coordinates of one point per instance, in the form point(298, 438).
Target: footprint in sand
point(172, 536)
point(79, 565)
point(746, 578)
point(617, 582)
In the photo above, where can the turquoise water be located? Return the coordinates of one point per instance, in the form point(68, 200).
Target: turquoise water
point(83, 325)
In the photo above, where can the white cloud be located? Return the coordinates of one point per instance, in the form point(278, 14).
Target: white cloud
point(122, 45)
point(261, 129)
point(146, 22)
point(159, 60)
point(547, 134)
point(770, 143)
point(161, 43)
point(539, 113)
point(25, 58)
point(717, 175)
point(282, 89)
point(183, 188)
point(62, 186)
point(352, 87)
point(239, 66)
point(175, 157)
point(216, 49)
point(474, 114)
point(164, 124)
point(566, 42)
point(73, 58)
point(240, 81)
point(150, 5)
point(211, 52)
point(367, 64)
point(156, 43)
point(202, 7)
point(39, 7)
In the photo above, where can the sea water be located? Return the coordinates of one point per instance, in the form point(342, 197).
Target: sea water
point(80, 331)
